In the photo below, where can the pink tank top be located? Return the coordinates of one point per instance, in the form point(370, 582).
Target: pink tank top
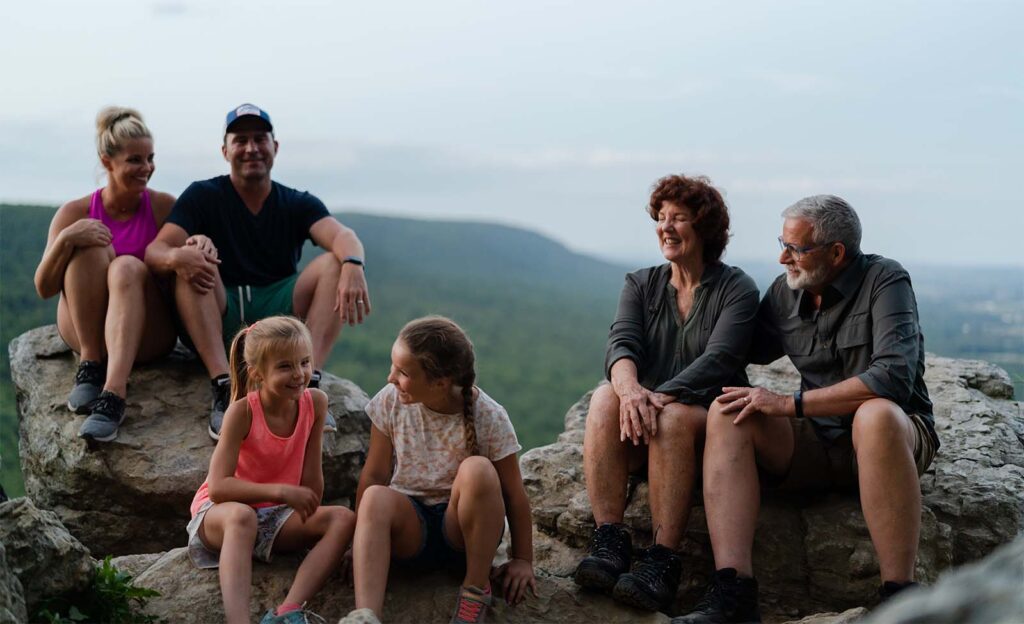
point(265, 457)
point(129, 237)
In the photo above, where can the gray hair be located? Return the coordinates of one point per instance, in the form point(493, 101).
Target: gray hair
point(832, 219)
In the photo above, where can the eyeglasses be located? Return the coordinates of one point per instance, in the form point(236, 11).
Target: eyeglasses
point(798, 252)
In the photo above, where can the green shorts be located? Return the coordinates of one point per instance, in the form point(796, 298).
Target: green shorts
point(248, 304)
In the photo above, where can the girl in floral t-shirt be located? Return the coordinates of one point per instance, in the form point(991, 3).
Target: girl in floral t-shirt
point(440, 477)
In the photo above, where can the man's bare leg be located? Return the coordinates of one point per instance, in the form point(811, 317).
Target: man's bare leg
point(201, 314)
point(732, 494)
point(890, 491)
point(314, 300)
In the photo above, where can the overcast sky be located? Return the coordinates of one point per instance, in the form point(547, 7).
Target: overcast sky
point(556, 116)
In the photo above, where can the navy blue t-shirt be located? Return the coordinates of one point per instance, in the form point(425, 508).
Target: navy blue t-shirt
point(254, 250)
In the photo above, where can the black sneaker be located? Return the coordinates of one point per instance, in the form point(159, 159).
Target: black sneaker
point(654, 581)
point(221, 387)
point(88, 384)
point(330, 425)
point(728, 599)
point(107, 415)
point(889, 589)
point(610, 552)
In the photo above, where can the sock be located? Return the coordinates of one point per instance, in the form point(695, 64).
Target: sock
point(286, 607)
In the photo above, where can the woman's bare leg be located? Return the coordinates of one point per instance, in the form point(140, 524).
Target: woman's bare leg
point(84, 301)
point(138, 322)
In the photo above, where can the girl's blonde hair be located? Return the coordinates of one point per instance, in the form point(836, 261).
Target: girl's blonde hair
point(252, 345)
point(115, 126)
point(443, 349)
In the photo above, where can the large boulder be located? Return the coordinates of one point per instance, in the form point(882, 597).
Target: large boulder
point(986, 591)
point(132, 495)
point(40, 552)
point(814, 554)
point(12, 595)
point(192, 596)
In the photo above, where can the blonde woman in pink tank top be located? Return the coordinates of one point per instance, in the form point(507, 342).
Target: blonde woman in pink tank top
point(263, 491)
point(111, 311)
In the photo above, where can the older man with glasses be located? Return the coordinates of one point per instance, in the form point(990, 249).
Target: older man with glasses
point(860, 420)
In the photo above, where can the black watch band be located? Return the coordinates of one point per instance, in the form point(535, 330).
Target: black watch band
point(798, 403)
point(356, 260)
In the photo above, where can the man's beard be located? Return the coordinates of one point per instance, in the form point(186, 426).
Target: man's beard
point(807, 278)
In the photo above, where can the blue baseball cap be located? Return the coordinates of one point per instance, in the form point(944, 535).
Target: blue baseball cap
point(246, 110)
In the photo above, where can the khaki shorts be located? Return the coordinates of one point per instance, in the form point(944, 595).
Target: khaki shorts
point(818, 464)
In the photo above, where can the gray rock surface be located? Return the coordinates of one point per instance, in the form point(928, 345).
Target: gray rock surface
point(12, 596)
point(192, 596)
point(990, 591)
point(132, 495)
point(813, 554)
point(41, 553)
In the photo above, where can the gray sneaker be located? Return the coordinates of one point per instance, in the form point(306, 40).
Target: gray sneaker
point(107, 415)
point(88, 384)
point(221, 388)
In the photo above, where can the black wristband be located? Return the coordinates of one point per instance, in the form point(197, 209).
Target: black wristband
point(798, 403)
point(356, 260)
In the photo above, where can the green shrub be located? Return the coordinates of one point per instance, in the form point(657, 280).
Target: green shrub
point(110, 598)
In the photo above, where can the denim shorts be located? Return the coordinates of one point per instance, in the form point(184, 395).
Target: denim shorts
point(435, 551)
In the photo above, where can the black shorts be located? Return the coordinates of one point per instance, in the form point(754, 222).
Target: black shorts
point(435, 551)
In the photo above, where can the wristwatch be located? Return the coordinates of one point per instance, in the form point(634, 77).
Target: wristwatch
point(798, 403)
point(356, 260)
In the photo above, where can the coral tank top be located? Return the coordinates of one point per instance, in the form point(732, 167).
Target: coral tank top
point(268, 458)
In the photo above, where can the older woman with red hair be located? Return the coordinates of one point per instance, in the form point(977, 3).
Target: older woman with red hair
point(681, 333)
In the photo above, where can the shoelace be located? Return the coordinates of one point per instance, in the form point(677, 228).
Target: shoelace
point(607, 543)
point(108, 404)
point(90, 373)
point(653, 567)
point(469, 609)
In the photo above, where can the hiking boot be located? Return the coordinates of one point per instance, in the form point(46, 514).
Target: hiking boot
point(330, 425)
point(88, 385)
point(654, 581)
point(298, 616)
point(610, 552)
point(728, 599)
point(889, 589)
point(471, 605)
point(221, 387)
point(107, 415)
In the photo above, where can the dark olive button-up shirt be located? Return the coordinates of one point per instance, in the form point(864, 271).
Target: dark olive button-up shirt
point(690, 358)
point(867, 327)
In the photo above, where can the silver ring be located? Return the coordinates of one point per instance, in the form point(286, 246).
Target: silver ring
point(359, 300)
point(747, 399)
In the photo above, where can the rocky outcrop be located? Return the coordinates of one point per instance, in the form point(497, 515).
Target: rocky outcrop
point(192, 596)
point(132, 495)
point(42, 556)
point(991, 590)
point(814, 554)
point(12, 595)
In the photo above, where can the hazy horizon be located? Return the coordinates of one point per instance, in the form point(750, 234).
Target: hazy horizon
point(553, 117)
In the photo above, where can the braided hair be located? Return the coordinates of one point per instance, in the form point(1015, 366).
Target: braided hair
point(443, 349)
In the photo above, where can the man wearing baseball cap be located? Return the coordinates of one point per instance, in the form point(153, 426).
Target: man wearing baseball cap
point(233, 243)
